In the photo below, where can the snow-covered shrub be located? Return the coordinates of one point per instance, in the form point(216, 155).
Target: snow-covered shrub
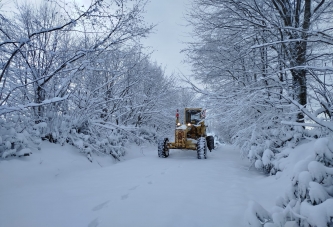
point(309, 200)
point(20, 134)
point(113, 143)
point(261, 136)
point(266, 134)
point(145, 134)
point(256, 215)
point(109, 141)
point(267, 159)
point(12, 142)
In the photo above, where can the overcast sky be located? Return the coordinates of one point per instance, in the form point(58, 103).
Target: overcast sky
point(170, 33)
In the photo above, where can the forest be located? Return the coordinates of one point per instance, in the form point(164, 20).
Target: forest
point(79, 75)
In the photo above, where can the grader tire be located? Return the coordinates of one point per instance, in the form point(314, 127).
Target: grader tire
point(202, 148)
point(163, 150)
point(210, 142)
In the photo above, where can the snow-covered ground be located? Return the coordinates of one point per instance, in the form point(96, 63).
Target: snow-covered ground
point(57, 186)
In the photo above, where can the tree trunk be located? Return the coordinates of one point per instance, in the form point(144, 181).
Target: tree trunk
point(299, 75)
point(299, 60)
point(39, 99)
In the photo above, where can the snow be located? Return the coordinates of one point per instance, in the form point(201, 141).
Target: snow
point(317, 193)
point(304, 178)
point(267, 156)
point(182, 127)
point(258, 164)
point(308, 199)
point(58, 186)
point(317, 170)
point(256, 215)
point(318, 215)
point(24, 151)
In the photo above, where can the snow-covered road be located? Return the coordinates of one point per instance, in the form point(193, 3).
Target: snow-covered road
point(55, 187)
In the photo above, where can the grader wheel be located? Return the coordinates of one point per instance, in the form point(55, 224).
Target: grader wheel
point(201, 148)
point(163, 150)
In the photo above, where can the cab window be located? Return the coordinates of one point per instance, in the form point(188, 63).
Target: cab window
point(193, 116)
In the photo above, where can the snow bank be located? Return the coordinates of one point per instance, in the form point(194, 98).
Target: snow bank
point(319, 215)
point(308, 201)
point(256, 215)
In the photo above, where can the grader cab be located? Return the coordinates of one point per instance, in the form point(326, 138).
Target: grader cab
point(190, 135)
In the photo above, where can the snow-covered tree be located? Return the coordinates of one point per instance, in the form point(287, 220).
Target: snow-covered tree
point(78, 74)
point(308, 200)
point(264, 63)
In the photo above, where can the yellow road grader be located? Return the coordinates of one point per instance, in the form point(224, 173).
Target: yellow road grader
point(190, 135)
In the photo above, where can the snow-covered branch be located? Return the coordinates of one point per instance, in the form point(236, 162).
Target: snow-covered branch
point(8, 109)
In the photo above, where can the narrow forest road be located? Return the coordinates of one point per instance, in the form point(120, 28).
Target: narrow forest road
point(139, 192)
